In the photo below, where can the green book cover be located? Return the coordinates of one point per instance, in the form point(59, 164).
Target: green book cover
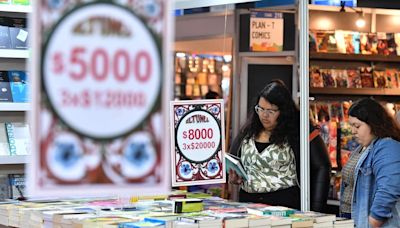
point(21, 2)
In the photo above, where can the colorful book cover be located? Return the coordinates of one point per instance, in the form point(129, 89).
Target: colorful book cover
point(322, 39)
point(345, 110)
point(340, 77)
point(391, 43)
point(340, 41)
point(312, 41)
point(382, 45)
point(368, 43)
point(19, 86)
point(397, 42)
point(367, 80)
point(353, 78)
point(379, 79)
point(326, 41)
point(19, 138)
point(356, 42)
point(5, 1)
point(348, 41)
point(328, 79)
point(322, 110)
point(316, 78)
point(373, 40)
point(5, 89)
point(18, 33)
point(336, 111)
point(332, 146)
point(392, 76)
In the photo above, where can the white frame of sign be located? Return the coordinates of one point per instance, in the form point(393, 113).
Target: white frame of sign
point(197, 142)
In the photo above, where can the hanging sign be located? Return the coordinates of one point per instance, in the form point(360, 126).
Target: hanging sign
point(197, 142)
point(266, 31)
point(98, 88)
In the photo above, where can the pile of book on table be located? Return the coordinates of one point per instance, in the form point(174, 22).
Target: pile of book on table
point(159, 212)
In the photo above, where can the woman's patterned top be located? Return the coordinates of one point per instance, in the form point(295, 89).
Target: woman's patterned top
point(270, 170)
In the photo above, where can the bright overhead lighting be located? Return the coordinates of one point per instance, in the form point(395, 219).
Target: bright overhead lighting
point(360, 22)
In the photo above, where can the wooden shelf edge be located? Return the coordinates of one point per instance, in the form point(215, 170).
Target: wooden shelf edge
point(354, 57)
point(356, 91)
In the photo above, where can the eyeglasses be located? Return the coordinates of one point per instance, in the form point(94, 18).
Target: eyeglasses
point(267, 112)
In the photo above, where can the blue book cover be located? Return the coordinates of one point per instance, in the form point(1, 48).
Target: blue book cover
point(19, 86)
point(18, 33)
point(5, 89)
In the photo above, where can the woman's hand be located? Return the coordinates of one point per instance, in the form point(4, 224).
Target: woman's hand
point(375, 223)
point(234, 178)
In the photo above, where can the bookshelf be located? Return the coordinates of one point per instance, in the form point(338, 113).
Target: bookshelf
point(354, 57)
point(356, 91)
point(13, 60)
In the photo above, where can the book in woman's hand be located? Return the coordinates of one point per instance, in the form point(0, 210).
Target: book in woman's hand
point(234, 163)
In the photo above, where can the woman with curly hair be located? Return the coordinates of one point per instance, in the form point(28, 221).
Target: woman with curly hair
point(371, 179)
point(268, 147)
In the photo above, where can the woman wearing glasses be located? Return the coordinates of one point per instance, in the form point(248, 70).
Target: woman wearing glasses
point(268, 146)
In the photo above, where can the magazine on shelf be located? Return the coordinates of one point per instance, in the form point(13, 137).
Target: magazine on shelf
point(316, 78)
point(353, 77)
point(328, 78)
point(233, 162)
point(366, 77)
point(392, 77)
point(340, 77)
point(379, 79)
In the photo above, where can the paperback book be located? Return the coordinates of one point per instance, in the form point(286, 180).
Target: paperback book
point(19, 86)
point(233, 162)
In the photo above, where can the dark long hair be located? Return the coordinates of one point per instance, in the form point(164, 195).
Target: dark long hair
point(287, 127)
point(378, 119)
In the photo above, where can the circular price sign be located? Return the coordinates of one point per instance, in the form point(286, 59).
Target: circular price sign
point(101, 70)
point(198, 136)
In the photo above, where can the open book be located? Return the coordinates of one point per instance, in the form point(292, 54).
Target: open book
point(233, 162)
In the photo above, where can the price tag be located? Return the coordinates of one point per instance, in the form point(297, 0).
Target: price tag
point(97, 82)
point(198, 136)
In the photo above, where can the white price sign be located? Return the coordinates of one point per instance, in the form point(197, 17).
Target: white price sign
point(97, 82)
point(198, 136)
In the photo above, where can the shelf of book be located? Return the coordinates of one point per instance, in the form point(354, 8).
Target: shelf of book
point(12, 160)
point(12, 107)
point(354, 57)
point(14, 53)
point(356, 91)
point(15, 8)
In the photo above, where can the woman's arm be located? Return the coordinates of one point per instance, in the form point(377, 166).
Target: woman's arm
point(385, 167)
